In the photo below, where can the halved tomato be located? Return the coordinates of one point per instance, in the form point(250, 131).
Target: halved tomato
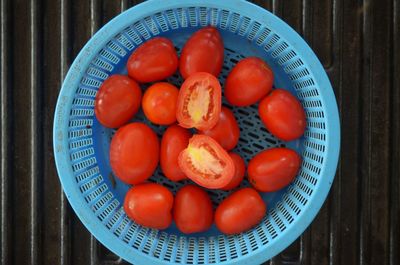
point(205, 162)
point(199, 102)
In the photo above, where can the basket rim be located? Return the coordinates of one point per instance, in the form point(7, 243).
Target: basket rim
point(138, 12)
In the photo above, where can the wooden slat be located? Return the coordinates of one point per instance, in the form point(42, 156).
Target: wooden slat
point(55, 209)
point(375, 163)
point(345, 196)
point(23, 242)
point(6, 217)
point(35, 94)
point(395, 139)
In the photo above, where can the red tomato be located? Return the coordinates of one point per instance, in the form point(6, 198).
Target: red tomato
point(174, 141)
point(240, 211)
point(150, 205)
point(117, 101)
point(226, 132)
point(205, 162)
point(159, 103)
point(273, 169)
point(283, 115)
point(193, 210)
point(154, 60)
point(134, 153)
point(203, 52)
point(248, 82)
point(240, 169)
point(199, 102)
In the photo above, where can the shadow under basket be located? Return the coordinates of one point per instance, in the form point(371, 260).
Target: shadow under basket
point(81, 144)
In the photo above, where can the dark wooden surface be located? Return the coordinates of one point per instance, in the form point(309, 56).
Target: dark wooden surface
point(357, 41)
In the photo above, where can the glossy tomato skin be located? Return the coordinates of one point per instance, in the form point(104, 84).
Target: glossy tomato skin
point(226, 132)
point(240, 211)
point(134, 153)
point(248, 82)
point(174, 141)
point(150, 205)
point(240, 170)
point(203, 52)
point(283, 115)
point(273, 169)
point(154, 60)
point(117, 101)
point(199, 102)
point(159, 103)
point(193, 210)
point(206, 163)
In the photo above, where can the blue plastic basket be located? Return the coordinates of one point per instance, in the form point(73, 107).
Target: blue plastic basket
point(81, 144)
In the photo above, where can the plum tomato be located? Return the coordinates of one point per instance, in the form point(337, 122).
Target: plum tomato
point(240, 211)
point(193, 210)
point(117, 101)
point(150, 205)
point(226, 132)
point(248, 82)
point(173, 142)
point(283, 115)
point(134, 153)
point(273, 169)
point(154, 60)
point(203, 52)
point(240, 170)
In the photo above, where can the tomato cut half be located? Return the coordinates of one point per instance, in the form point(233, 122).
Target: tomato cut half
point(199, 102)
point(205, 162)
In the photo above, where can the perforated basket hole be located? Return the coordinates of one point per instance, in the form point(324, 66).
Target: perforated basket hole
point(114, 47)
point(82, 143)
point(263, 36)
point(222, 248)
point(151, 239)
point(271, 42)
point(124, 41)
point(161, 21)
point(212, 16)
point(203, 16)
point(96, 193)
point(182, 17)
point(151, 26)
point(133, 35)
point(171, 19)
point(101, 64)
point(234, 22)
point(241, 241)
point(224, 19)
point(141, 29)
point(109, 56)
point(102, 202)
point(83, 165)
point(244, 26)
point(107, 212)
